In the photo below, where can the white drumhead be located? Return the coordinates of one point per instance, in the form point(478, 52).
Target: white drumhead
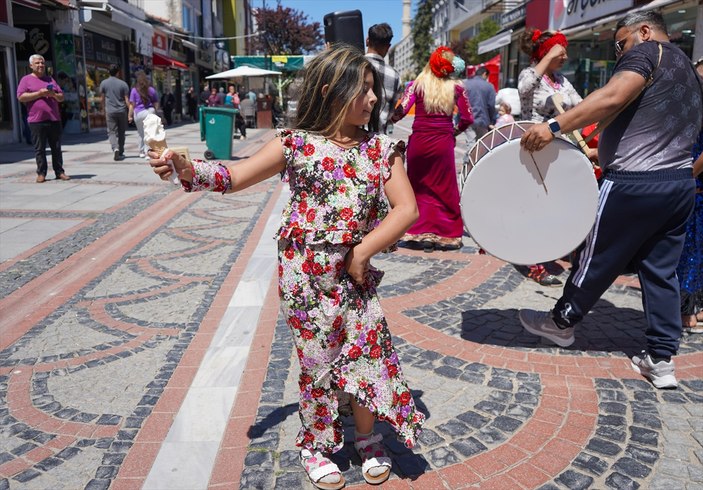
point(512, 214)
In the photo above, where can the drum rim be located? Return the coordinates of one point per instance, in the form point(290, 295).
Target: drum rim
point(467, 210)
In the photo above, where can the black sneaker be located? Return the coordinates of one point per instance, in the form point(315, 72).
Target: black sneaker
point(117, 156)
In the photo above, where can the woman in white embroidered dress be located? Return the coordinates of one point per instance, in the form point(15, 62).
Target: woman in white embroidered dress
point(536, 85)
point(542, 79)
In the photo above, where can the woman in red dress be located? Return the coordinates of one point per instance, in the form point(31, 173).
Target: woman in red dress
point(430, 154)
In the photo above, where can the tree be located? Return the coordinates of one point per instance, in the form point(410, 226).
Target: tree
point(422, 40)
point(284, 30)
point(486, 30)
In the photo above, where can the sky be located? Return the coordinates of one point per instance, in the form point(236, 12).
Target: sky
point(372, 11)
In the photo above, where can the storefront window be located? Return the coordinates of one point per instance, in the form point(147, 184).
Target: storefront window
point(100, 52)
point(5, 107)
point(682, 25)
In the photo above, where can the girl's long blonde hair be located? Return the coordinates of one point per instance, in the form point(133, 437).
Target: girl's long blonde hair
point(438, 94)
point(342, 69)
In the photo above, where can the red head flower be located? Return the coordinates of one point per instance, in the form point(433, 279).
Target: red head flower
point(441, 66)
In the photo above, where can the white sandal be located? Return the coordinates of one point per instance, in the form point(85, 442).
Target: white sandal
point(317, 466)
point(373, 455)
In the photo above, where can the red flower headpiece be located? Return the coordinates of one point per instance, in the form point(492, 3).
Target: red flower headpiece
point(543, 49)
point(441, 66)
point(535, 35)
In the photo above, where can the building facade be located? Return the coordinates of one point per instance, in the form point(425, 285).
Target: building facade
point(589, 27)
point(173, 42)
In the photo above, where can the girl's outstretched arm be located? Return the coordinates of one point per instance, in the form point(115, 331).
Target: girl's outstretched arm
point(402, 215)
point(265, 163)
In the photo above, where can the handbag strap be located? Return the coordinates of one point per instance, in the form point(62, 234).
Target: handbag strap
point(606, 122)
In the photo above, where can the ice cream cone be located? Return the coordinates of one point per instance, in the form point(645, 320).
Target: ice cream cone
point(159, 147)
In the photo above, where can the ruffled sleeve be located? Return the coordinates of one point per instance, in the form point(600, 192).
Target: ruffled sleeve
point(466, 117)
point(528, 81)
point(388, 147)
point(288, 141)
point(406, 103)
point(570, 96)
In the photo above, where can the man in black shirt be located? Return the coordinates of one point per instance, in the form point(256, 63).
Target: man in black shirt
point(655, 102)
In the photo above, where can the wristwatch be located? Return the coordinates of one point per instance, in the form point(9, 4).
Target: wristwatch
point(554, 127)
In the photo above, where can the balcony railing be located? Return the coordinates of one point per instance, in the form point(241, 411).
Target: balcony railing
point(500, 6)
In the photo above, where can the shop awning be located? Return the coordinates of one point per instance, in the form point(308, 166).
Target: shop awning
point(161, 60)
point(275, 62)
point(495, 42)
point(11, 34)
point(32, 4)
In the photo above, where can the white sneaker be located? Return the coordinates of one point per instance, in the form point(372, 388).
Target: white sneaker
point(541, 323)
point(661, 374)
point(142, 155)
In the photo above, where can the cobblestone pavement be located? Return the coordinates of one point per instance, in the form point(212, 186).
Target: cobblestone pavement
point(107, 325)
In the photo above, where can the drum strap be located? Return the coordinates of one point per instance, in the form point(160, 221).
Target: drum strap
point(606, 122)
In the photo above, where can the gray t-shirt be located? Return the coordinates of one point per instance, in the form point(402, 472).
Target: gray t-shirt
point(115, 91)
point(658, 129)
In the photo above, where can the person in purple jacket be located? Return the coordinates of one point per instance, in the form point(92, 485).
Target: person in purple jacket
point(41, 94)
point(143, 100)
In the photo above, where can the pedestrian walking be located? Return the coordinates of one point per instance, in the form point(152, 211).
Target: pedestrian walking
point(204, 94)
point(41, 95)
point(378, 43)
point(213, 99)
point(350, 199)
point(114, 93)
point(690, 268)
point(192, 104)
point(510, 95)
point(537, 84)
point(168, 102)
point(142, 102)
point(232, 101)
point(431, 165)
point(647, 191)
point(232, 98)
point(482, 97)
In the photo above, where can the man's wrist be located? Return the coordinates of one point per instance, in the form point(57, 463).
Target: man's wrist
point(554, 127)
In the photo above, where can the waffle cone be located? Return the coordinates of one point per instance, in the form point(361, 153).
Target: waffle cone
point(159, 147)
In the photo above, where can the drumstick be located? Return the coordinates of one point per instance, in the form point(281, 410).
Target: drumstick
point(557, 100)
point(539, 173)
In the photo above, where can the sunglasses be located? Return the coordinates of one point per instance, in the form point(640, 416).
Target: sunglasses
point(620, 45)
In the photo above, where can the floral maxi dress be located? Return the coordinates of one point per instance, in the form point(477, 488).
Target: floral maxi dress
point(341, 336)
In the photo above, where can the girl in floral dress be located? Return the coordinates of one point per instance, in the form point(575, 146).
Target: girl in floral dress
point(350, 199)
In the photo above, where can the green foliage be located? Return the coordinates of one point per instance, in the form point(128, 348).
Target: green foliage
point(422, 41)
point(486, 30)
point(286, 31)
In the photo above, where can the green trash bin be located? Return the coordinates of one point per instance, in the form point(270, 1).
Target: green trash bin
point(217, 129)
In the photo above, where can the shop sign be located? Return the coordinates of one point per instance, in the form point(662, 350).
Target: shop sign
point(143, 40)
point(569, 13)
point(101, 48)
point(37, 41)
point(513, 17)
point(160, 43)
